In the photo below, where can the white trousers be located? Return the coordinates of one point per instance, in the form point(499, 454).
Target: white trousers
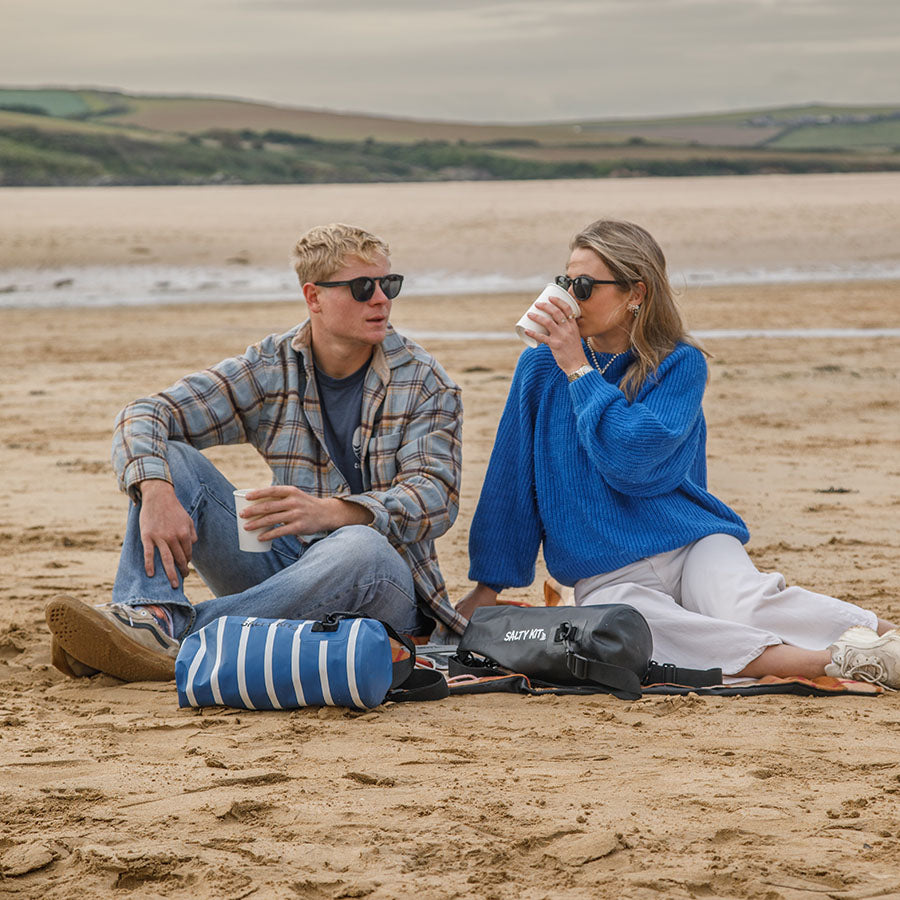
point(708, 606)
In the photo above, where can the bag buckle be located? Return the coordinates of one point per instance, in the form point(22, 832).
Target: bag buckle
point(331, 622)
point(565, 632)
point(468, 659)
point(578, 665)
point(663, 673)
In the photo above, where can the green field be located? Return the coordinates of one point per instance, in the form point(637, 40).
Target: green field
point(883, 135)
point(53, 103)
point(62, 137)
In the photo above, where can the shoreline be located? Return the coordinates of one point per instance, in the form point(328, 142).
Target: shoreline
point(137, 285)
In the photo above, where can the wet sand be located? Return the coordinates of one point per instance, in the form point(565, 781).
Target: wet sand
point(110, 789)
point(478, 228)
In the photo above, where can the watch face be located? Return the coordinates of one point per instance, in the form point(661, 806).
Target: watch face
point(583, 370)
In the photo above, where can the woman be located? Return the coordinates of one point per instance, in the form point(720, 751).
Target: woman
point(601, 455)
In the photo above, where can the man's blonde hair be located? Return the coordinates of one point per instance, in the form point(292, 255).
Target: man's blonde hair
point(320, 252)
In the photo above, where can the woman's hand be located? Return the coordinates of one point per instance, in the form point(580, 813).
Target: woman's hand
point(563, 339)
point(284, 509)
point(480, 595)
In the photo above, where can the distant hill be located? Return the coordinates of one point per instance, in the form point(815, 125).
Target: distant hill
point(84, 137)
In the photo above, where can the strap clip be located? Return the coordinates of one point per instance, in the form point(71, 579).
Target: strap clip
point(661, 673)
point(578, 665)
point(331, 622)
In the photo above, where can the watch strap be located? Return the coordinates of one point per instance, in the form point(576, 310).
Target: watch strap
point(581, 370)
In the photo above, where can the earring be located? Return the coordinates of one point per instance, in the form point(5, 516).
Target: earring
point(634, 308)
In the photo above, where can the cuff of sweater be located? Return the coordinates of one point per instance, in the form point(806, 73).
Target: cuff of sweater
point(590, 386)
point(494, 586)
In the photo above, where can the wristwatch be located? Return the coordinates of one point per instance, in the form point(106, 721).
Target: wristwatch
point(581, 370)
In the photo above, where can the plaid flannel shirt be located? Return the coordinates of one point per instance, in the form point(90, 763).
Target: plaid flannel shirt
point(409, 440)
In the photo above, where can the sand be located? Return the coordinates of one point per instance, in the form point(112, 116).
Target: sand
point(110, 790)
point(470, 227)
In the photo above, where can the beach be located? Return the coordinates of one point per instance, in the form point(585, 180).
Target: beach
point(108, 789)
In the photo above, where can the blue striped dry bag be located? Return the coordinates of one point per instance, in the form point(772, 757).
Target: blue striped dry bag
point(255, 663)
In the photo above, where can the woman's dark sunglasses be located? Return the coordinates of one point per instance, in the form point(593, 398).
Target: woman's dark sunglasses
point(362, 288)
point(582, 285)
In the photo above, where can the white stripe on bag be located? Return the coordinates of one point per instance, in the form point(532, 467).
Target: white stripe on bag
point(323, 672)
point(295, 665)
point(351, 663)
point(192, 671)
point(242, 663)
point(270, 684)
point(214, 675)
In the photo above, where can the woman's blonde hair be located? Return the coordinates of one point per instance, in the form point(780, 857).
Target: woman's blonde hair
point(322, 250)
point(631, 254)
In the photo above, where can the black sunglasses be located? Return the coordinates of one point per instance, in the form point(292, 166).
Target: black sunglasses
point(362, 288)
point(582, 285)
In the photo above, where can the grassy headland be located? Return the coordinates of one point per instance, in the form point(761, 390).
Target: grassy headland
point(63, 137)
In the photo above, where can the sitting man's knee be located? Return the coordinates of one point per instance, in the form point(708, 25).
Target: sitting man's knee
point(179, 451)
point(186, 463)
point(362, 545)
point(363, 539)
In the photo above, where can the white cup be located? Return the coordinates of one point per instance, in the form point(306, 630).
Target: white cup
point(247, 540)
point(552, 290)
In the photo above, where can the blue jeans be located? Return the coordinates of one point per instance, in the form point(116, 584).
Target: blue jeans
point(353, 569)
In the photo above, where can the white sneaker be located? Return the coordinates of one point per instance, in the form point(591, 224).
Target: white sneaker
point(860, 654)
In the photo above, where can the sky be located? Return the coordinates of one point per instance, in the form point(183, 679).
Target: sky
point(467, 60)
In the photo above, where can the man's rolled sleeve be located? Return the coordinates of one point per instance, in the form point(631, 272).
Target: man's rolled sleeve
point(146, 468)
point(217, 406)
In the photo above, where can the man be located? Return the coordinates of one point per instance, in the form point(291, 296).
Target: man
point(361, 428)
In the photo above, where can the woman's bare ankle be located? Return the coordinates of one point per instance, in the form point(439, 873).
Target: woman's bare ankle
point(783, 660)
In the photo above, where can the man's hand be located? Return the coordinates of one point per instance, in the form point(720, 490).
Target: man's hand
point(480, 595)
point(284, 509)
point(165, 526)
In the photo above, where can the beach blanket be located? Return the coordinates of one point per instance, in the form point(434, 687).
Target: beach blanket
point(436, 656)
point(823, 686)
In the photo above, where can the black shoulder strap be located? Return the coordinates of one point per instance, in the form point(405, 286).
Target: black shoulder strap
point(464, 663)
point(420, 684)
point(666, 673)
point(410, 683)
point(621, 682)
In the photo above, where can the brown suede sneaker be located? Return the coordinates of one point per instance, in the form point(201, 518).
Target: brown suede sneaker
point(124, 641)
point(66, 663)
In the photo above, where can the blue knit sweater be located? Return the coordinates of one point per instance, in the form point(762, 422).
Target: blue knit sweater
point(601, 482)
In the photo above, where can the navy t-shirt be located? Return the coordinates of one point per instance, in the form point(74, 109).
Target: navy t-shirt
point(341, 400)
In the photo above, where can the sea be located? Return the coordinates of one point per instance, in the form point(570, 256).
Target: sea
point(120, 286)
point(154, 285)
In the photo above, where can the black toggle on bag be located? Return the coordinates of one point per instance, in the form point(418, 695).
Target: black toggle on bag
point(577, 650)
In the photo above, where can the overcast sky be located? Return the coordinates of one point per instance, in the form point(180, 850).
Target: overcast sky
point(478, 60)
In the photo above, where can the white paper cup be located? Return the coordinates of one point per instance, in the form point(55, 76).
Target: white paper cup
point(247, 540)
point(552, 290)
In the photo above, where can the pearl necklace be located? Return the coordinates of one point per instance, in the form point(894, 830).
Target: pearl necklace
point(602, 369)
